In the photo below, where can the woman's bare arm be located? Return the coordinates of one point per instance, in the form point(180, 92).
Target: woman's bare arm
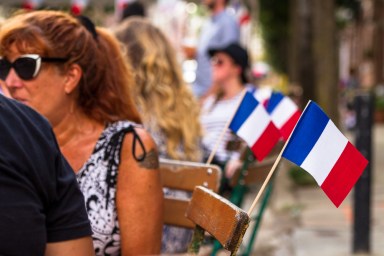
point(139, 198)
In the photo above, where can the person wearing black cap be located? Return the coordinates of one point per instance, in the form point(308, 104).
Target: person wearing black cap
point(238, 55)
point(229, 68)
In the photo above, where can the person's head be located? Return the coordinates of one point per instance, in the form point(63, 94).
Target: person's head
point(229, 63)
point(160, 92)
point(133, 9)
point(57, 63)
point(215, 4)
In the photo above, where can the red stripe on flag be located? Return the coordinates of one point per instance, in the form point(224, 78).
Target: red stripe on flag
point(266, 142)
point(287, 128)
point(344, 174)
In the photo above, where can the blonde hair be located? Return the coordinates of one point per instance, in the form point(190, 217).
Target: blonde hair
point(103, 92)
point(160, 93)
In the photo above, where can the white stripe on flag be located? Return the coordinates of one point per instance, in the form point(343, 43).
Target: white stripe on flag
point(254, 126)
point(283, 111)
point(325, 153)
point(262, 94)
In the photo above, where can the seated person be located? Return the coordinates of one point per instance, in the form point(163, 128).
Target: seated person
point(169, 110)
point(229, 65)
point(42, 208)
point(77, 77)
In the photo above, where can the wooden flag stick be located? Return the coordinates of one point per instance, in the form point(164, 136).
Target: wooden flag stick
point(273, 169)
point(210, 158)
point(266, 180)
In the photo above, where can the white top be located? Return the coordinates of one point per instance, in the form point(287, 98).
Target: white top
point(214, 117)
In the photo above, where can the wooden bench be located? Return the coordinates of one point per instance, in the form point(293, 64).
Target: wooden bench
point(252, 173)
point(185, 176)
point(216, 215)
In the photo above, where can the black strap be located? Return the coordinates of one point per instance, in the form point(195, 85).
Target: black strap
point(113, 155)
point(117, 139)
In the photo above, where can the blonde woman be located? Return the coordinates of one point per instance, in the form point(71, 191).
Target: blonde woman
point(168, 108)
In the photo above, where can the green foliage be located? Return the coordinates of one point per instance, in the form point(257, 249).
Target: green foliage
point(379, 103)
point(274, 24)
point(346, 12)
point(352, 5)
point(301, 177)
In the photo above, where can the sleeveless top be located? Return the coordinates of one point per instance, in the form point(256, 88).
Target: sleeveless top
point(97, 180)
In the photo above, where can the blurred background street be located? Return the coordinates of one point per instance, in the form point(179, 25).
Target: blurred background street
point(328, 51)
point(302, 221)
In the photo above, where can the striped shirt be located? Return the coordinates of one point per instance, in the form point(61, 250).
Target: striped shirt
point(214, 117)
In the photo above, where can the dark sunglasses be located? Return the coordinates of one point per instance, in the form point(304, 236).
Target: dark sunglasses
point(27, 66)
point(216, 61)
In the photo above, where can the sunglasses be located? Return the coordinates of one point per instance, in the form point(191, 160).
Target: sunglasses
point(27, 66)
point(217, 61)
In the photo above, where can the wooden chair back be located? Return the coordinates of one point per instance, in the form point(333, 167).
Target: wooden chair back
point(185, 176)
point(256, 171)
point(223, 220)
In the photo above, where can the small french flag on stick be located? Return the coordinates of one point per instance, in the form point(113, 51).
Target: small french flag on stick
point(262, 94)
point(253, 124)
point(284, 113)
point(318, 146)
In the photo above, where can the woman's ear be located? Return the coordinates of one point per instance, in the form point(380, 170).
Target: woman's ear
point(72, 78)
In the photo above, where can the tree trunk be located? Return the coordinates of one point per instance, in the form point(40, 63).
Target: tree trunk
point(301, 66)
point(326, 57)
point(378, 42)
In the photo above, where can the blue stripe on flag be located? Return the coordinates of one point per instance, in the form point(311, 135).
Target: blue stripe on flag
point(275, 99)
point(307, 132)
point(247, 106)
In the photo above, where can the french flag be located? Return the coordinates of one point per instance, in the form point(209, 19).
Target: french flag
point(253, 124)
point(261, 94)
point(321, 149)
point(284, 113)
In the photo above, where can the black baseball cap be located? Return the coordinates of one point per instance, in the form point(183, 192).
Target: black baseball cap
point(238, 54)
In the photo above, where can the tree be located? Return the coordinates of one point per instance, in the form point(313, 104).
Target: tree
point(301, 41)
point(325, 52)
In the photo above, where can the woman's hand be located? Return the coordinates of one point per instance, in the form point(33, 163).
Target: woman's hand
point(231, 167)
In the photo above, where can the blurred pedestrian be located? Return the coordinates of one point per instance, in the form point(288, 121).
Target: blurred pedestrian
point(229, 72)
point(169, 110)
point(135, 8)
point(42, 208)
point(348, 94)
point(220, 30)
point(76, 76)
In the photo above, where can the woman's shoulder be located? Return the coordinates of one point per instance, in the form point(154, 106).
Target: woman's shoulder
point(126, 138)
point(142, 147)
point(115, 133)
point(136, 133)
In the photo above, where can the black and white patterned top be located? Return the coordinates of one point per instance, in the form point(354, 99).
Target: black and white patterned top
point(97, 179)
